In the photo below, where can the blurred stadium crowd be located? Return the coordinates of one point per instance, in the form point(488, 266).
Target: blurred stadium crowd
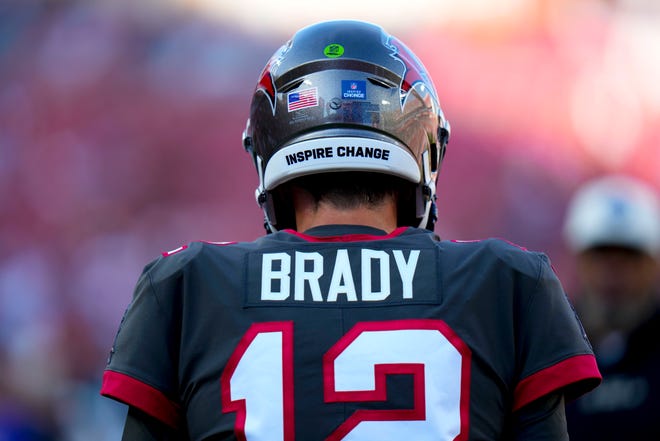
point(120, 138)
point(110, 138)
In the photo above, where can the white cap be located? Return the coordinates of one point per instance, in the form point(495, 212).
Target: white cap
point(614, 210)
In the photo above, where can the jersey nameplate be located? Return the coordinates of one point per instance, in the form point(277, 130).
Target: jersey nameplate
point(332, 277)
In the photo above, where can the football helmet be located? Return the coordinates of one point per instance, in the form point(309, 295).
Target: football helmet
point(344, 96)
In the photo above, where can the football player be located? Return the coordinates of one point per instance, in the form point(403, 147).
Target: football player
point(351, 319)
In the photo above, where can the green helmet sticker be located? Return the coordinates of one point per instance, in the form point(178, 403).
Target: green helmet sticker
point(334, 50)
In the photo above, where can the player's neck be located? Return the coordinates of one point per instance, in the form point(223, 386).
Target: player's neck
point(382, 216)
point(357, 216)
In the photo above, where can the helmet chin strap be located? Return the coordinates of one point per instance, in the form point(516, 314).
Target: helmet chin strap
point(263, 198)
point(432, 216)
point(427, 208)
point(270, 220)
point(427, 211)
point(265, 201)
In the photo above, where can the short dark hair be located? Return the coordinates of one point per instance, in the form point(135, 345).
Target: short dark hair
point(347, 190)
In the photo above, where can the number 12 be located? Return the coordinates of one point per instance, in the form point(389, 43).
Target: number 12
point(257, 382)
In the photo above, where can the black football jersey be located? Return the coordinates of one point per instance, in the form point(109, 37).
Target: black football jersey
point(627, 403)
point(347, 333)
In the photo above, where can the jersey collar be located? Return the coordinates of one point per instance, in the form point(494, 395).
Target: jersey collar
point(345, 233)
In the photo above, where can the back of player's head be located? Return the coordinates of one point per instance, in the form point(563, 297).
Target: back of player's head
point(345, 96)
point(614, 210)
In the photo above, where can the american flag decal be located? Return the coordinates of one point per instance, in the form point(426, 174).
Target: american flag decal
point(302, 99)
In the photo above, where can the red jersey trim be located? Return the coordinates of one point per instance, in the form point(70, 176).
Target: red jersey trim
point(577, 369)
point(347, 237)
point(148, 399)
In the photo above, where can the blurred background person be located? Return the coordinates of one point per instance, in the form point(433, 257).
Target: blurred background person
point(613, 227)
